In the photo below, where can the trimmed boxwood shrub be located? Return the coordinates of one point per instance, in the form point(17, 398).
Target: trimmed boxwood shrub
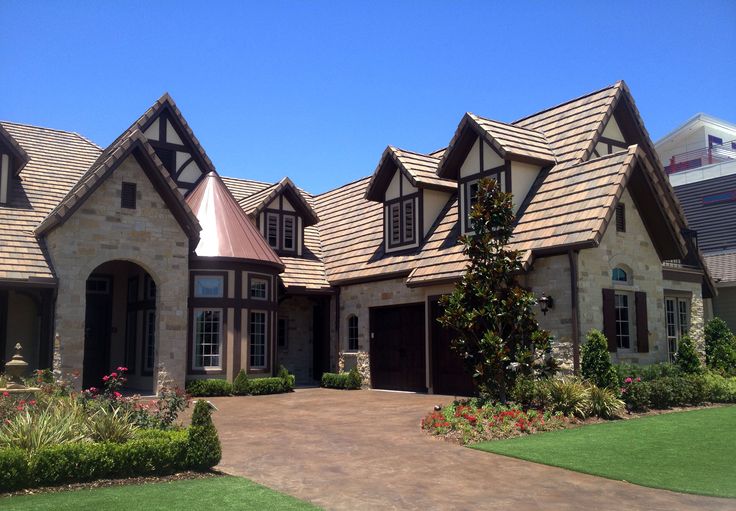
point(596, 366)
point(14, 473)
point(349, 381)
point(241, 384)
point(204, 450)
point(275, 385)
point(150, 453)
point(209, 388)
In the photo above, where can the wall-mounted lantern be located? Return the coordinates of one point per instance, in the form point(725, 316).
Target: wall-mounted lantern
point(545, 303)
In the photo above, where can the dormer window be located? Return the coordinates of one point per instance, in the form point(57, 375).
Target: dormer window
point(288, 241)
point(272, 229)
point(401, 222)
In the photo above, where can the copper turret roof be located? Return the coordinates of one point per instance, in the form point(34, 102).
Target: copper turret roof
point(227, 232)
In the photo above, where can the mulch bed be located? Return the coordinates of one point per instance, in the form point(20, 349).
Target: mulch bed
point(104, 483)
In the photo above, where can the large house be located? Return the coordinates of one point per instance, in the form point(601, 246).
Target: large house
point(700, 159)
point(141, 254)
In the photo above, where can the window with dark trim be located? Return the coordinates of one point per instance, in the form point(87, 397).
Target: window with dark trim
point(623, 320)
point(353, 333)
point(127, 196)
point(620, 218)
point(149, 339)
point(209, 286)
point(258, 289)
point(207, 338)
point(619, 275)
point(677, 318)
point(402, 222)
point(469, 189)
point(288, 241)
point(272, 229)
point(257, 348)
point(282, 332)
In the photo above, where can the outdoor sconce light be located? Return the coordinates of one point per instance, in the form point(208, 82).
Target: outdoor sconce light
point(546, 303)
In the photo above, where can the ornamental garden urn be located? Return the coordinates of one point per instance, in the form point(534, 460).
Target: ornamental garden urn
point(15, 369)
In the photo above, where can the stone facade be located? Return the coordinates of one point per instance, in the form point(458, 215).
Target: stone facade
point(298, 353)
point(100, 231)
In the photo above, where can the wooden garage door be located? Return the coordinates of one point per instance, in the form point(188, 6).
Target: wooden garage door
point(449, 375)
point(397, 348)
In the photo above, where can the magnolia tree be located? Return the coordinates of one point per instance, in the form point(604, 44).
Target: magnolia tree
point(496, 331)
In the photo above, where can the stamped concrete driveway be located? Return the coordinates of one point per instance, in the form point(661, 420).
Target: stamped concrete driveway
point(364, 450)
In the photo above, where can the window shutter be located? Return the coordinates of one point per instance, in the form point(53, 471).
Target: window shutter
point(609, 319)
point(127, 196)
point(642, 327)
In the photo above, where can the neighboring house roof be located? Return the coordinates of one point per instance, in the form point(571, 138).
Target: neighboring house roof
point(722, 266)
point(56, 161)
point(227, 232)
point(133, 142)
point(694, 122)
point(420, 170)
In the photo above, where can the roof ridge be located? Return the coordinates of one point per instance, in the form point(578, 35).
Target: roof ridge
point(395, 148)
point(619, 83)
point(245, 179)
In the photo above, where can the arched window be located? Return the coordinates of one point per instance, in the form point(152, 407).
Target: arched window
point(619, 275)
point(353, 333)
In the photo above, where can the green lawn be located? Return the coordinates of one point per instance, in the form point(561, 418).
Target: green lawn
point(691, 452)
point(216, 493)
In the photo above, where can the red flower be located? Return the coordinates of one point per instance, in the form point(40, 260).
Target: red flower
point(117, 395)
point(6, 394)
point(122, 369)
point(113, 375)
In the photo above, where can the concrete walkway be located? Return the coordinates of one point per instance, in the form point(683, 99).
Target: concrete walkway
point(357, 450)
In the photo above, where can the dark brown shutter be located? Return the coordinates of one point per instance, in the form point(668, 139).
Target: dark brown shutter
point(609, 319)
point(642, 327)
point(127, 196)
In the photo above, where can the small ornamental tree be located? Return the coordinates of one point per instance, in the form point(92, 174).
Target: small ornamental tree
point(496, 333)
point(687, 357)
point(720, 346)
point(596, 364)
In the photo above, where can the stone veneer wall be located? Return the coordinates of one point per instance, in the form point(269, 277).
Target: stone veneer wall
point(358, 299)
point(100, 231)
point(634, 251)
point(299, 352)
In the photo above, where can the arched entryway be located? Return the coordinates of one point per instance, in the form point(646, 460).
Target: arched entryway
point(120, 325)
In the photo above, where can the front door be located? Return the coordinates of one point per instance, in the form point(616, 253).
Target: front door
point(97, 323)
point(397, 351)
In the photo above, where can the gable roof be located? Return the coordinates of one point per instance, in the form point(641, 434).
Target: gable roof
point(257, 202)
point(420, 169)
point(132, 143)
point(694, 122)
point(242, 188)
point(227, 232)
point(20, 156)
point(509, 141)
point(722, 266)
point(56, 160)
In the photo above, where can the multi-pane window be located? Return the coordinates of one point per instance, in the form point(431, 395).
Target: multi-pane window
point(207, 338)
point(470, 196)
point(282, 332)
point(209, 286)
point(149, 340)
point(272, 229)
point(353, 333)
point(257, 340)
point(623, 320)
point(288, 232)
point(677, 322)
point(259, 289)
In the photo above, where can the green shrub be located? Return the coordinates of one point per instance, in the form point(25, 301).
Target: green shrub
point(14, 473)
point(604, 402)
point(59, 421)
point(570, 397)
point(204, 450)
point(241, 384)
point(209, 388)
point(111, 425)
point(687, 357)
point(530, 392)
point(720, 346)
point(636, 394)
point(719, 389)
point(349, 381)
point(596, 363)
point(645, 372)
point(274, 385)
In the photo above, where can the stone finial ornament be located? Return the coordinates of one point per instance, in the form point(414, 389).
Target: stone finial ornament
point(15, 369)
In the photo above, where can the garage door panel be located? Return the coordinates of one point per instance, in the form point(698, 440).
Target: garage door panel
point(449, 374)
point(397, 348)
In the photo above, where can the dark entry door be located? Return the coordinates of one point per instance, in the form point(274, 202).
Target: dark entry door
point(97, 323)
point(449, 374)
point(397, 351)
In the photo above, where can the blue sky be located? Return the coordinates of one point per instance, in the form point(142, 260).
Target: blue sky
point(316, 90)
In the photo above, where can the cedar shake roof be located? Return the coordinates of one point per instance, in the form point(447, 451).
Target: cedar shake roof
point(242, 188)
point(722, 266)
point(255, 203)
point(20, 156)
point(121, 148)
point(227, 232)
point(56, 161)
point(420, 169)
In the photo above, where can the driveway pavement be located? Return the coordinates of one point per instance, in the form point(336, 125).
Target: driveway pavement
point(358, 450)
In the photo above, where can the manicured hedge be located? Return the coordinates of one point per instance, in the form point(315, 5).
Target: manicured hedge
point(348, 381)
point(150, 453)
point(242, 386)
